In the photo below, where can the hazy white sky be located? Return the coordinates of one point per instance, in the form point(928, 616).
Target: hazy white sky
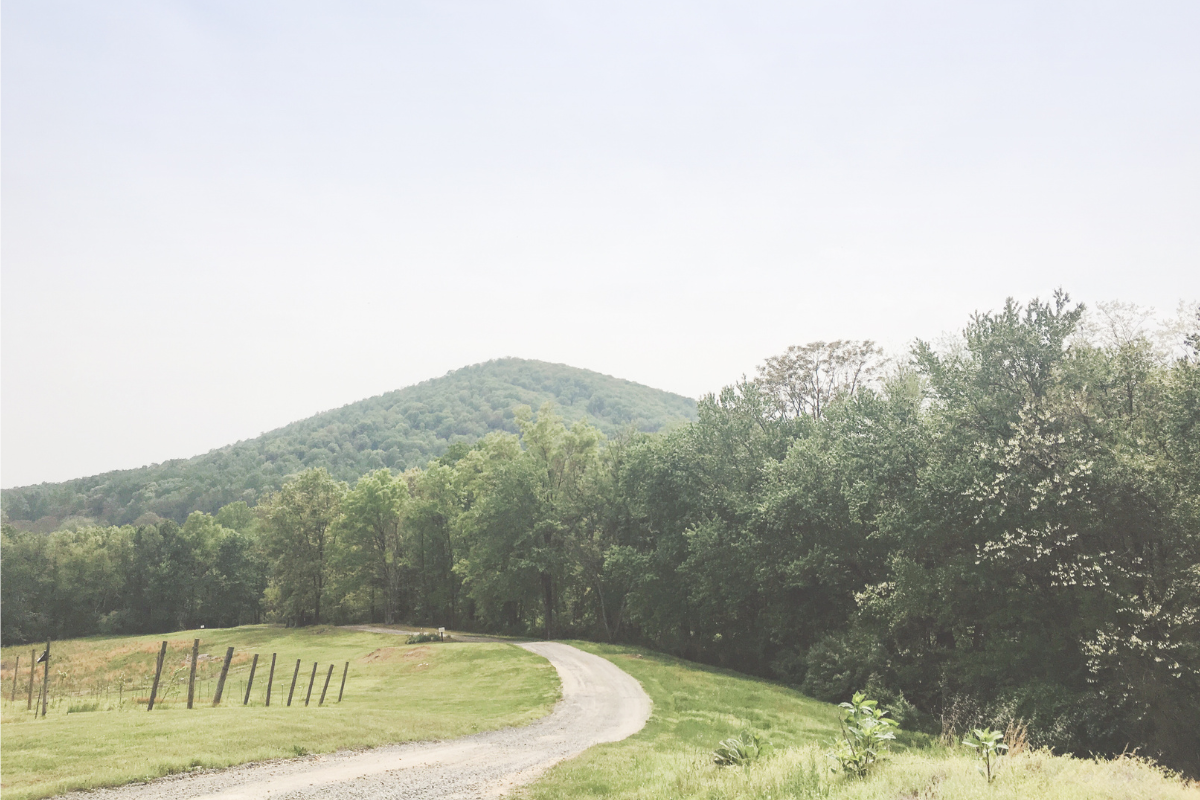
point(219, 217)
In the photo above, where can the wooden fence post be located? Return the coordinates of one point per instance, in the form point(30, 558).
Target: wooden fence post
point(32, 675)
point(46, 680)
point(344, 671)
point(192, 674)
point(311, 679)
point(325, 688)
point(295, 675)
point(16, 676)
point(270, 679)
point(249, 683)
point(221, 680)
point(162, 656)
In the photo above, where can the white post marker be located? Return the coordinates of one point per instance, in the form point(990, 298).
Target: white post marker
point(442, 634)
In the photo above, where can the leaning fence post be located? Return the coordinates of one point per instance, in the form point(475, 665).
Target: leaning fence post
point(162, 656)
point(325, 688)
point(270, 679)
point(344, 671)
point(46, 680)
point(221, 680)
point(16, 676)
point(249, 683)
point(311, 679)
point(295, 675)
point(32, 675)
point(192, 674)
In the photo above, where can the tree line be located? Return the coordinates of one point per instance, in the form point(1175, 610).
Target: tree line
point(397, 430)
point(1006, 526)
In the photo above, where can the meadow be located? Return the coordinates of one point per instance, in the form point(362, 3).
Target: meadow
point(97, 731)
point(97, 735)
point(695, 707)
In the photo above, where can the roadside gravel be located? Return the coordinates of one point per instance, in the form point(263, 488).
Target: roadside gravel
point(600, 703)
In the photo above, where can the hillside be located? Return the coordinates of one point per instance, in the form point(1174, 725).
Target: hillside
point(400, 429)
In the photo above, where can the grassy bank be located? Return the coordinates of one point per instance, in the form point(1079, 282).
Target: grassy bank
point(695, 707)
point(97, 733)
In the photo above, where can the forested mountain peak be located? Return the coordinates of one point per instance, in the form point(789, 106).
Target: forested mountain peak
point(399, 429)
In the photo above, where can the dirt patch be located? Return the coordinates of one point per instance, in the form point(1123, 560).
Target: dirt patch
point(382, 654)
point(393, 653)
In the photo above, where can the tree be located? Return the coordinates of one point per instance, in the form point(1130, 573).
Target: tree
point(435, 519)
point(298, 523)
point(805, 379)
point(372, 521)
point(532, 502)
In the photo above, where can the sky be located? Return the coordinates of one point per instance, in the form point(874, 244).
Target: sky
point(221, 217)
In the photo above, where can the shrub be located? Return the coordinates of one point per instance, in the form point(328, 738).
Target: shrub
point(422, 638)
point(865, 733)
point(741, 750)
point(1059, 718)
point(906, 715)
point(837, 664)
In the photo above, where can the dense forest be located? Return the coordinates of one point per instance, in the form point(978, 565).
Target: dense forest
point(1003, 526)
point(397, 430)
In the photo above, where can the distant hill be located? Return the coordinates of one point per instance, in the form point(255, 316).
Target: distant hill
point(400, 429)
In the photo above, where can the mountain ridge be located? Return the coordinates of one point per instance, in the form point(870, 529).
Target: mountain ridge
point(403, 428)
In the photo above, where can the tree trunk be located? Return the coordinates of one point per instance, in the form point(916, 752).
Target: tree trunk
point(603, 613)
point(548, 599)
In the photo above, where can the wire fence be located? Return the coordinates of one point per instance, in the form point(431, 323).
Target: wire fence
point(75, 688)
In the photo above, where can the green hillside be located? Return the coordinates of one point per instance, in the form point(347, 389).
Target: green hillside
point(400, 429)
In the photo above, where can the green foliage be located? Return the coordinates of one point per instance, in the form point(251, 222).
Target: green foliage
point(989, 746)
point(866, 732)
point(300, 536)
point(372, 536)
point(129, 580)
point(838, 663)
point(398, 430)
point(422, 638)
point(741, 750)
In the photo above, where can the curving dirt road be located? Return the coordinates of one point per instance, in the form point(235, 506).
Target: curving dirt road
point(600, 703)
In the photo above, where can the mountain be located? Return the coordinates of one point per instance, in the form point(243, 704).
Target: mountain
point(400, 429)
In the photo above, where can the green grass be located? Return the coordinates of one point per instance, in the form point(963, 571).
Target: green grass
point(695, 707)
point(96, 734)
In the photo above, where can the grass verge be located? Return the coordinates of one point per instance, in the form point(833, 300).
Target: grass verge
point(695, 707)
point(102, 736)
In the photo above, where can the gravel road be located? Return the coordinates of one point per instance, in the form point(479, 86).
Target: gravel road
point(600, 703)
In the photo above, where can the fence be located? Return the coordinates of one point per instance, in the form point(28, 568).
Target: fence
point(167, 681)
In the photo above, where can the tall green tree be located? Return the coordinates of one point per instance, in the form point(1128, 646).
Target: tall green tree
point(435, 519)
point(533, 505)
point(372, 529)
point(300, 534)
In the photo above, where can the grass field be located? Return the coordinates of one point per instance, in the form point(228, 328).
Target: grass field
point(97, 733)
point(398, 692)
point(695, 707)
